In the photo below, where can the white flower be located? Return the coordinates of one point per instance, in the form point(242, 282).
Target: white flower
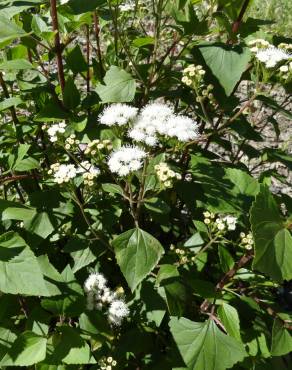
point(118, 114)
point(231, 222)
point(284, 69)
point(126, 160)
point(159, 119)
point(220, 226)
point(272, 56)
point(156, 111)
point(181, 127)
point(63, 172)
point(118, 310)
point(54, 130)
point(127, 7)
point(95, 281)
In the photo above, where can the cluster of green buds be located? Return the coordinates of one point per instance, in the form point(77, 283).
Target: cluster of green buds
point(185, 256)
point(193, 76)
point(257, 44)
point(285, 46)
point(107, 363)
point(286, 71)
point(246, 240)
point(166, 175)
point(71, 142)
point(97, 145)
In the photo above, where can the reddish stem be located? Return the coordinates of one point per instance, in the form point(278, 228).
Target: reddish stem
point(58, 47)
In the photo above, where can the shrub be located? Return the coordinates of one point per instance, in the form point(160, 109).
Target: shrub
point(145, 199)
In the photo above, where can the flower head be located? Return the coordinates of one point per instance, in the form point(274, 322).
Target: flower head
point(63, 172)
point(118, 114)
point(181, 127)
point(272, 56)
point(118, 310)
point(94, 282)
point(126, 160)
point(54, 130)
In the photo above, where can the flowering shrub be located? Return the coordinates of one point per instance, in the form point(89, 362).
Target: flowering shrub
point(145, 186)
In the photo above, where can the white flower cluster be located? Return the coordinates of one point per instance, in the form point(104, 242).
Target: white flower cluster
point(193, 74)
point(166, 175)
point(247, 240)
point(126, 160)
point(269, 54)
point(272, 56)
point(63, 173)
point(127, 7)
point(159, 119)
point(99, 295)
point(96, 145)
point(118, 114)
point(54, 130)
point(221, 223)
point(71, 141)
point(107, 363)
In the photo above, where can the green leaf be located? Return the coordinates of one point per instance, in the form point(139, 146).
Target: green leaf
point(41, 29)
point(9, 30)
point(51, 275)
point(28, 349)
point(157, 205)
point(15, 64)
point(227, 63)
point(71, 348)
point(20, 272)
point(81, 252)
point(281, 339)
point(17, 213)
point(229, 317)
point(194, 241)
point(81, 6)
point(226, 260)
point(40, 225)
point(244, 183)
point(51, 112)
point(71, 302)
point(75, 60)
point(273, 243)
point(112, 188)
point(184, 14)
point(137, 253)
point(119, 86)
point(10, 102)
point(204, 346)
point(7, 338)
point(143, 41)
point(71, 94)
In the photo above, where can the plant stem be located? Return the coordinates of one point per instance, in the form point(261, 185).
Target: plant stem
point(77, 201)
point(132, 207)
point(58, 48)
point(87, 60)
point(97, 38)
point(236, 24)
point(205, 247)
point(227, 277)
point(12, 109)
